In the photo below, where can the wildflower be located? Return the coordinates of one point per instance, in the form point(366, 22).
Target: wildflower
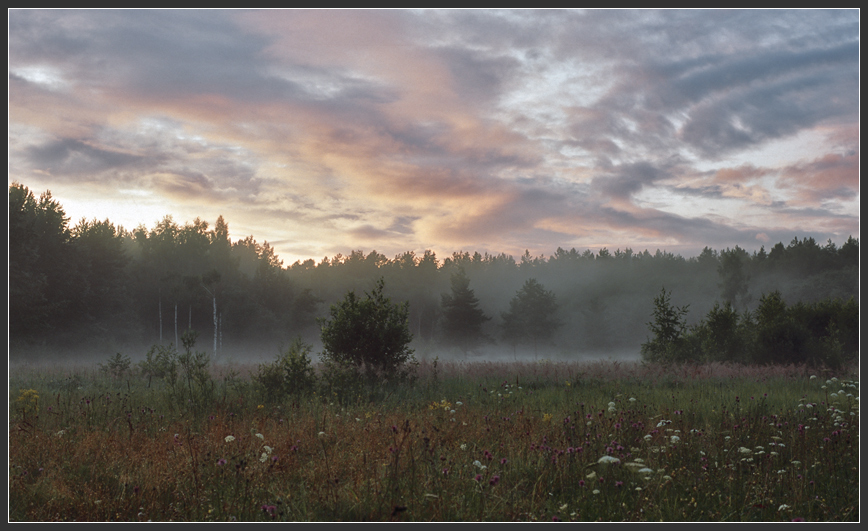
point(60, 433)
point(596, 491)
point(783, 507)
point(581, 482)
point(478, 478)
point(229, 438)
point(260, 406)
point(463, 447)
point(268, 449)
point(478, 464)
point(503, 461)
point(675, 438)
point(260, 436)
point(321, 434)
point(263, 458)
point(459, 403)
point(494, 480)
point(744, 450)
point(608, 459)
point(221, 462)
point(632, 399)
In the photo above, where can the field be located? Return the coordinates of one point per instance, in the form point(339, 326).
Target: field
point(544, 441)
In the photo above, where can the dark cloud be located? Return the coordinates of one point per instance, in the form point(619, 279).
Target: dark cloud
point(628, 179)
point(75, 157)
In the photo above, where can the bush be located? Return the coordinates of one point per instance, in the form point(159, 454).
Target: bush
point(291, 374)
point(116, 366)
point(164, 362)
point(369, 337)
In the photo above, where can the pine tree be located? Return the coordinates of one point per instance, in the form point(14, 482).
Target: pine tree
point(463, 319)
point(531, 316)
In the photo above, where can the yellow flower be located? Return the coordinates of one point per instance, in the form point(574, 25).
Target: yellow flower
point(547, 417)
point(260, 406)
point(29, 399)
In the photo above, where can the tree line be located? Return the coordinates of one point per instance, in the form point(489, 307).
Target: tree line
point(99, 285)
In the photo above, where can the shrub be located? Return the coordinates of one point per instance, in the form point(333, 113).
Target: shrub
point(291, 374)
point(370, 337)
point(116, 366)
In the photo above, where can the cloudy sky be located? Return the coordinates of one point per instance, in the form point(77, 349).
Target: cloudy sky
point(322, 132)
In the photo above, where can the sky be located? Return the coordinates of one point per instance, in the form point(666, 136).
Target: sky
point(328, 131)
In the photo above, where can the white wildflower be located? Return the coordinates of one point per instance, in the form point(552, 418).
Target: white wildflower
point(783, 507)
point(608, 459)
point(260, 436)
point(675, 439)
point(229, 438)
point(268, 449)
point(263, 458)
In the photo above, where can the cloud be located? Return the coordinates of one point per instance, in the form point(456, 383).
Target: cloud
point(507, 130)
point(832, 176)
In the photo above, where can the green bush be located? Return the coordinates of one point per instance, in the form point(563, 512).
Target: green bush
point(291, 374)
point(187, 374)
point(369, 338)
point(116, 366)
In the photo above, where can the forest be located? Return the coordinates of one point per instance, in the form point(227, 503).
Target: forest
point(94, 287)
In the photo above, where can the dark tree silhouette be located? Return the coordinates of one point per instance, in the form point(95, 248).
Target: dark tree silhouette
point(462, 317)
point(531, 316)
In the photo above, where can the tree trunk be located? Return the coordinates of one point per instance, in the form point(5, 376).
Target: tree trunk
point(176, 325)
point(214, 299)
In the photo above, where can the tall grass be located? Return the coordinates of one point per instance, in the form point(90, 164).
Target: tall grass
point(602, 441)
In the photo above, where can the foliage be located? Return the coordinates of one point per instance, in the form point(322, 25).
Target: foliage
point(186, 374)
point(532, 315)
point(733, 279)
point(668, 328)
point(370, 336)
point(462, 317)
point(116, 366)
point(291, 374)
point(824, 333)
point(95, 285)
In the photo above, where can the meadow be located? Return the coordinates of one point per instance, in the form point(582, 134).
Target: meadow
point(537, 441)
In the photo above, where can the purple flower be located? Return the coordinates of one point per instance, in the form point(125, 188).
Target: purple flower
point(503, 461)
point(221, 462)
point(478, 478)
point(494, 480)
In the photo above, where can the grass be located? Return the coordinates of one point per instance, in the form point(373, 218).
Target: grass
point(468, 442)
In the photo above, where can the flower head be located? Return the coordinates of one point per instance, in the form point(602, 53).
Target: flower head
point(229, 438)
